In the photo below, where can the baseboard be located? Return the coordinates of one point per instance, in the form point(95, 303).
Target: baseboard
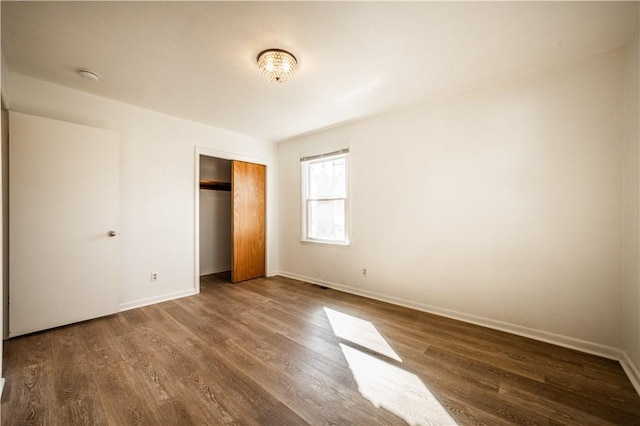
point(631, 370)
point(210, 271)
point(156, 299)
point(556, 339)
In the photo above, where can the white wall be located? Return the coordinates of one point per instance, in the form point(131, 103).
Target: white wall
point(215, 218)
point(631, 212)
point(157, 178)
point(500, 206)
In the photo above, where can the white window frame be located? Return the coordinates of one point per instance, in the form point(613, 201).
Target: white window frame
point(305, 162)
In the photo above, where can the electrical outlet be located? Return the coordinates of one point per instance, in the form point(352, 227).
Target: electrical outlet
point(154, 277)
point(364, 272)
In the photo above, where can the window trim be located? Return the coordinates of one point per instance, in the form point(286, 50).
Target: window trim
point(305, 162)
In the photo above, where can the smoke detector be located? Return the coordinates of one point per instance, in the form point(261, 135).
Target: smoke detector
point(88, 74)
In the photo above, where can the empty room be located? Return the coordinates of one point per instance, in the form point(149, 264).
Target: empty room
point(315, 213)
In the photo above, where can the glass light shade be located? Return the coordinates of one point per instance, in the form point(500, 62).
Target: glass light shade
point(277, 65)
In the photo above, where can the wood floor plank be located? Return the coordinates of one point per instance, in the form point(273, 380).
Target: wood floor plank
point(77, 393)
point(311, 406)
point(30, 389)
point(120, 398)
point(27, 350)
point(450, 381)
point(568, 415)
point(264, 352)
point(349, 407)
point(198, 326)
point(307, 335)
point(239, 392)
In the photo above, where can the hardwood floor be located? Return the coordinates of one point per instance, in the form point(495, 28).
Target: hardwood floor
point(274, 351)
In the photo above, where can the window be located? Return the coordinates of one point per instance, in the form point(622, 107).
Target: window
point(324, 198)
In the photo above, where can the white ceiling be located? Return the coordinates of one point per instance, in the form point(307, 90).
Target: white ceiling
point(197, 60)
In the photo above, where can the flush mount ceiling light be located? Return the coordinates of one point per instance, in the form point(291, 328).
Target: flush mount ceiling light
point(277, 65)
point(88, 74)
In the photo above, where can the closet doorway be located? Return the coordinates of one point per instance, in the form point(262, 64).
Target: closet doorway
point(215, 215)
point(231, 218)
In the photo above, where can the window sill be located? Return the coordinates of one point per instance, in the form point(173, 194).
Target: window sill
point(326, 243)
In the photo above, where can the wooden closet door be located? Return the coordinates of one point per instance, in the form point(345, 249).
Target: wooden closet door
point(248, 221)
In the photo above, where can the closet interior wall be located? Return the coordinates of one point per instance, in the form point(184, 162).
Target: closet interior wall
point(215, 215)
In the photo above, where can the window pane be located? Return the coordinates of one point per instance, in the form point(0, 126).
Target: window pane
point(326, 220)
point(327, 179)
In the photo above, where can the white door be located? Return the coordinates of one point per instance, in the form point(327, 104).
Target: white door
point(64, 266)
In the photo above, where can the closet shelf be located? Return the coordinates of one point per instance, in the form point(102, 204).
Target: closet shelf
point(215, 185)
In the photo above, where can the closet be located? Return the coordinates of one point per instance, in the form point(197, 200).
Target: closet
point(215, 215)
point(232, 218)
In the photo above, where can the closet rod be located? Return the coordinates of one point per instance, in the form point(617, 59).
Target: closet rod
point(215, 185)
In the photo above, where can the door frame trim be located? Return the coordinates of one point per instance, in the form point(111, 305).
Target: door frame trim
point(225, 155)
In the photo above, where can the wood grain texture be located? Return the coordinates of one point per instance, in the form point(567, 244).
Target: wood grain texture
point(248, 220)
point(264, 352)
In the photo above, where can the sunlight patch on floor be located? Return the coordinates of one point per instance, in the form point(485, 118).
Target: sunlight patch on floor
point(360, 332)
point(394, 389)
point(380, 381)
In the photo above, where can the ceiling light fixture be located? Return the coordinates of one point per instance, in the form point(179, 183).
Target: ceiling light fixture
point(88, 74)
point(277, 65)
